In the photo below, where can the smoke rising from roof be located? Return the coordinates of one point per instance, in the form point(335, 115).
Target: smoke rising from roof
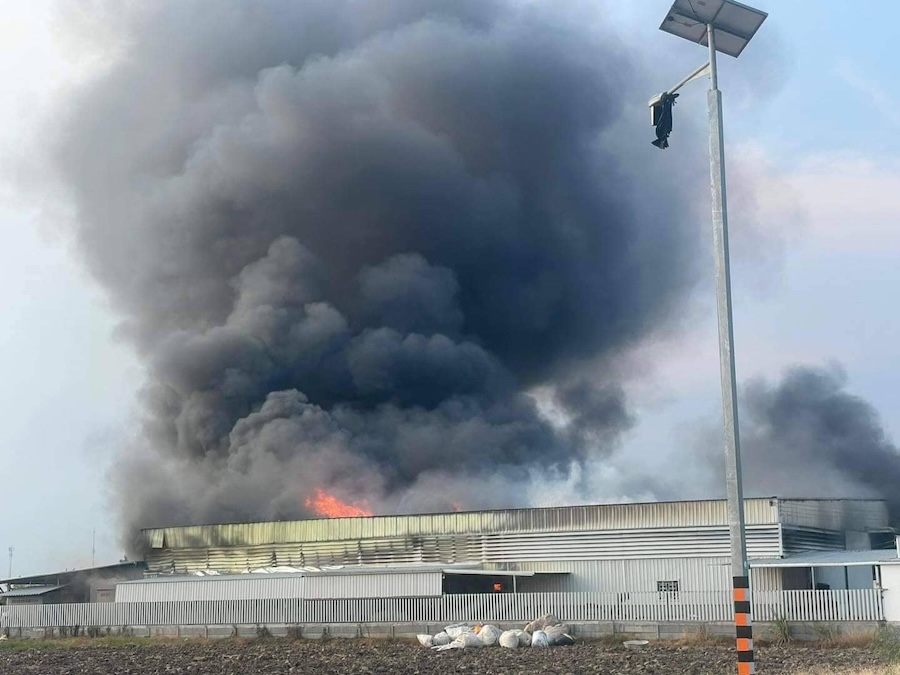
point(347, 238)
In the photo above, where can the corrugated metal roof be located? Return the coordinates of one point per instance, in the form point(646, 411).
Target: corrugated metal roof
point(188, 578)
point(31, 591)
point(401, 568)
point(830, 559)
point(67, 576)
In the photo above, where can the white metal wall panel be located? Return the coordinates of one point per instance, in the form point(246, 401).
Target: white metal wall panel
point(387, 585)
point(766, 579)
point(702, 574)
point(244, 587)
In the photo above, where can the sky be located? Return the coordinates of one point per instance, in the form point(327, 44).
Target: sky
point(810, 119)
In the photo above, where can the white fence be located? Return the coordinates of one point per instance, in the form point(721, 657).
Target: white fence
point(839, 605)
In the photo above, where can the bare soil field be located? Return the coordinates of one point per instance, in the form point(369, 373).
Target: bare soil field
point(350, 657)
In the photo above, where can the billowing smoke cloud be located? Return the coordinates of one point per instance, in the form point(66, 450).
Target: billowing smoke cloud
point(808, 434)
point(348, 236)
point(804, 435)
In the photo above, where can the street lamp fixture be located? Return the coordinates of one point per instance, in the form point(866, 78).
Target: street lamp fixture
point(722, 26)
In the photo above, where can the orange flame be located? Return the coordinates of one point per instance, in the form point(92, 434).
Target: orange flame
point(328, 505)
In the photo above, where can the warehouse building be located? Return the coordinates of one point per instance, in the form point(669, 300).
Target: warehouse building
point(651, 547)
point(94, 584)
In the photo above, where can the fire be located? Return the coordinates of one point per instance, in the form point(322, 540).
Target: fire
point(328, 505)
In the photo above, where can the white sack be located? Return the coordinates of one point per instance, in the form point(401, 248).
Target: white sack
point(489, 635)
point(541, 623)
point(468, 640)
point(441, 639)
point(558, 634)
point(425, 640)
point(457, 629)
point(509, 639)
point(539, 639)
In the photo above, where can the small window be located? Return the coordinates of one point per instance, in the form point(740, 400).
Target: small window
point(669, 588)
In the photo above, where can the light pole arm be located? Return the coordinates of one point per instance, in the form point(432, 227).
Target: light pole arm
point(700, 72)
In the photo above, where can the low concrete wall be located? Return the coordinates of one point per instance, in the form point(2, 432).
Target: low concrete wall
point(593, 630)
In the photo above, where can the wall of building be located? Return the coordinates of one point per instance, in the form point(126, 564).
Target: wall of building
point(500, 548)
point(26, 600)
point(243, 587)
point(890, 583)
point(692, 574)
point(386, 585)
point(834, 514)
point(862, 515)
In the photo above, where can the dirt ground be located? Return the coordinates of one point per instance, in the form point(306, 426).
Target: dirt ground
point(350, 657)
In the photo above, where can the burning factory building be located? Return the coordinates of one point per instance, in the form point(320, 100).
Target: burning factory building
point(623, 548)
point(383, 258)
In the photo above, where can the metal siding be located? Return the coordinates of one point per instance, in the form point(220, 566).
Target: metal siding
point(567, 518)
point(835, 514)
point(212, 588)
point(798, 540)
point(682, 529)
point(765, 579)
point(688, 543)
point(707, 574)
point(762, 541)
point(387, 585)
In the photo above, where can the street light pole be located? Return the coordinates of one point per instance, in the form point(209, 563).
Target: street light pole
point(733, 483)
point(740, 573)
point(732, 25)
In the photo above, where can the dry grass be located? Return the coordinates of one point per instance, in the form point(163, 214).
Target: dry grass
point(852, 641)
point(699, 640)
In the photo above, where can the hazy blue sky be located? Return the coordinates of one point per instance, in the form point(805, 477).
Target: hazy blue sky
point(811, 117)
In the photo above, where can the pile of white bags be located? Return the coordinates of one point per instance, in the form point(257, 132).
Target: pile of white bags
point(547, 631)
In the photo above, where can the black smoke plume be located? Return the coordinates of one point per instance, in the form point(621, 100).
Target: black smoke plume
point(803, 435)
point(347, 237)
point(806, 435)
